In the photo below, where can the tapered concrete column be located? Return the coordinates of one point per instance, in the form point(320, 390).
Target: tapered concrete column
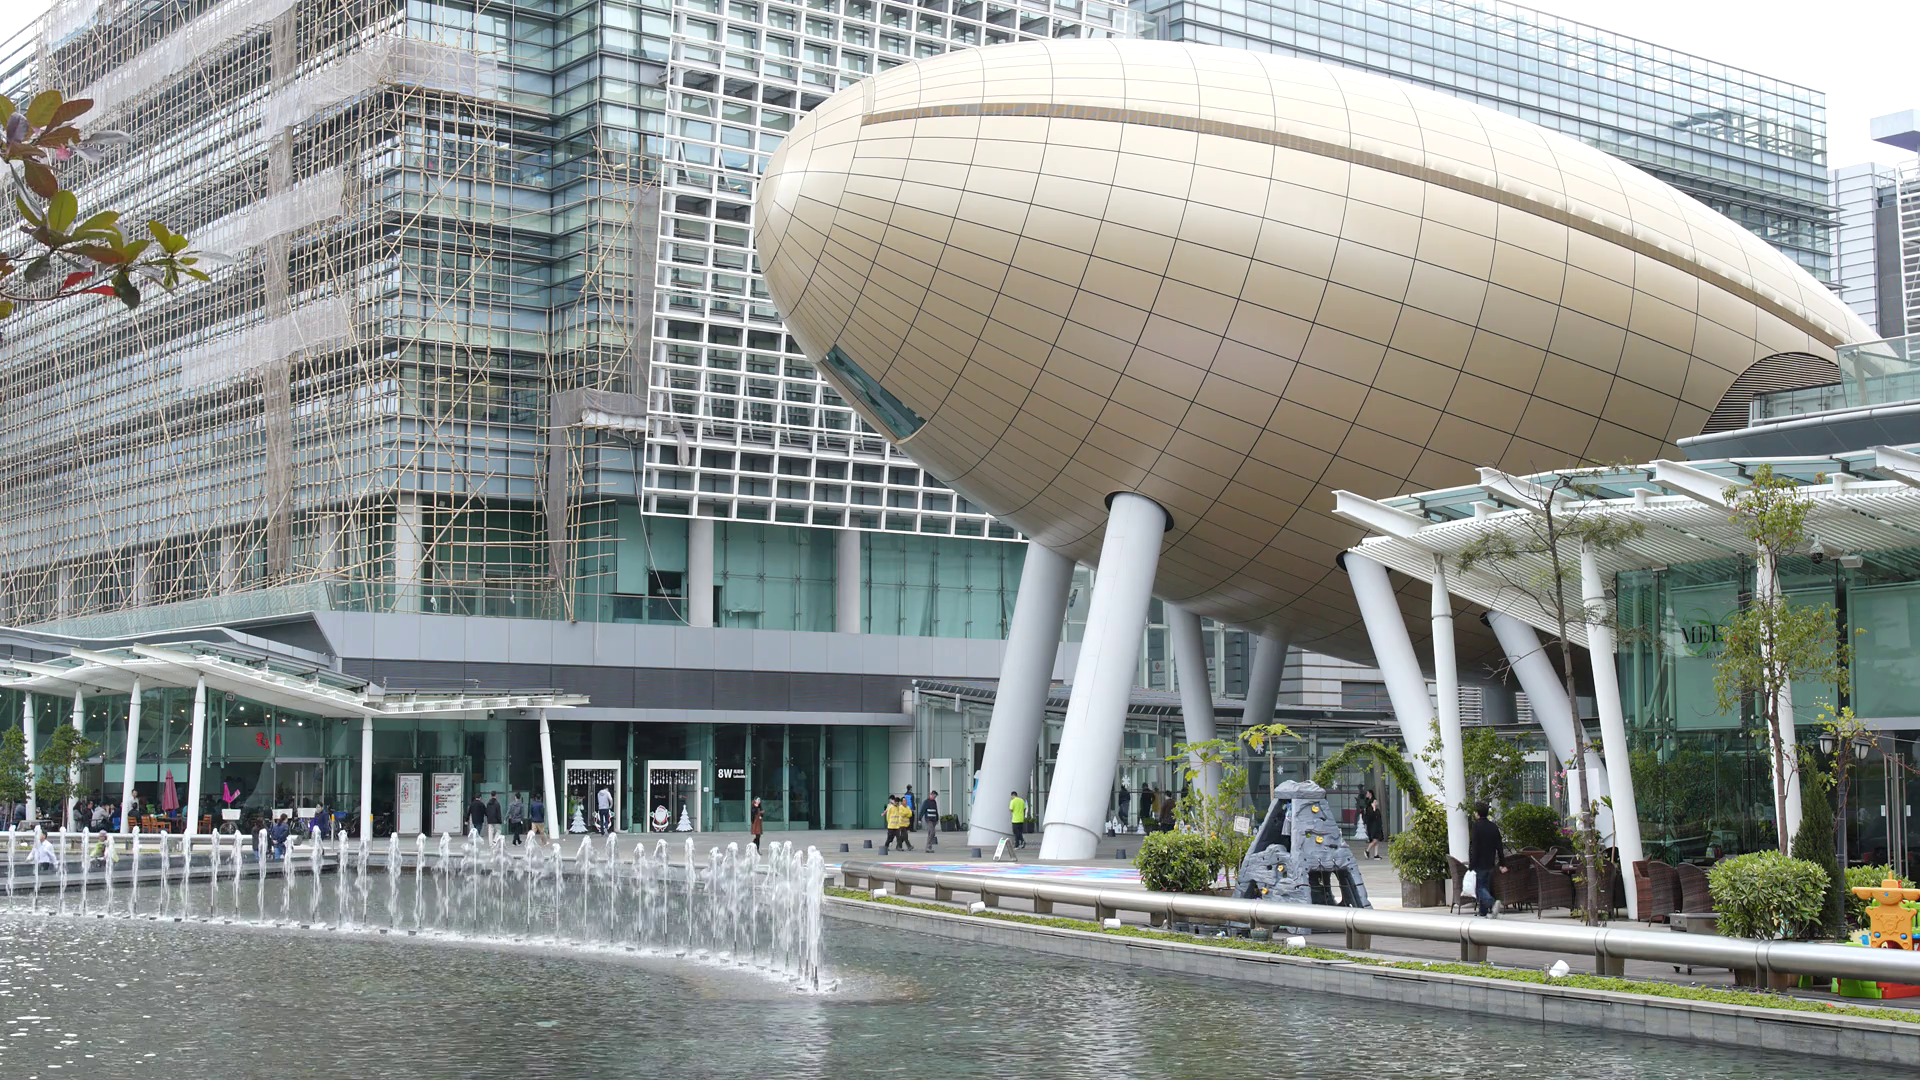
point(1020, 702)
point(1103, 679)
point(1546, 694)
point(1766, 586)
point(133, 759)
point(196, 755)
point(555, 812)
point(1613, 723)
point(1263, 682)
point(1446, 677)
point(73, 773)
point(1196, 690)
point(700, 571)
point(366, 778)
point(33, 753)
point(1393, 652)
point(847, 581)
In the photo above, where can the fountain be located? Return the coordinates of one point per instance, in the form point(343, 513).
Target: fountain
point(735, 910)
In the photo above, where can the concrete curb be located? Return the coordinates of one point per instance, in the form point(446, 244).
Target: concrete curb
point(1852, 1038)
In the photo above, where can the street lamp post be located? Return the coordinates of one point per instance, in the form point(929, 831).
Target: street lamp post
point(1855, 750)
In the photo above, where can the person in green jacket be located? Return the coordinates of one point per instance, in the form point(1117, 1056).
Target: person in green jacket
point(1019, 808)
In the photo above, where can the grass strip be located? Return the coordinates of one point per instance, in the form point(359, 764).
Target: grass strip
point(1755, 998)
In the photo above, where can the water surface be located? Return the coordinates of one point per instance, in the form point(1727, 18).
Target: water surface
point(122, 997)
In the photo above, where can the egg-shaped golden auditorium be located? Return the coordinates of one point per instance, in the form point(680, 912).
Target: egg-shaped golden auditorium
point(1058, 273)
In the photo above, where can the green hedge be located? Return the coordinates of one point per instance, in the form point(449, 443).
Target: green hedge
point(1180, 862)
point(1767, 895)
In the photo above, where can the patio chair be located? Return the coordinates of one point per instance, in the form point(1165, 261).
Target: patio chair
point(1694, 894)
point(1658, 890)
point(1457, 874)
point(1516, 889)
point(1552, 888)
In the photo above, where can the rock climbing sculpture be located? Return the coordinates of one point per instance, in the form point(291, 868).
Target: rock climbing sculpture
point(1299, 852)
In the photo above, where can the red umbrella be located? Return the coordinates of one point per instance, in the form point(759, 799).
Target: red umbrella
point(169, 795)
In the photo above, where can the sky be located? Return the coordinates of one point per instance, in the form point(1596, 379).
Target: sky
point(1859, 52)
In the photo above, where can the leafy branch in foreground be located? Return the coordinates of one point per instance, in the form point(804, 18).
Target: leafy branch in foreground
point(65, 254)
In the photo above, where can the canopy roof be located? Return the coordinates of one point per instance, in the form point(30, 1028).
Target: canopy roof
point(277, 681)
point(1862, 502)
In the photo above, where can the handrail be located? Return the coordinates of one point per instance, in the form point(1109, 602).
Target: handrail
point(1609, 947)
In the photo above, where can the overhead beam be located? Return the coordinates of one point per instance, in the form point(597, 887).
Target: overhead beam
point(1694, 483)
point(1897, 465)
point(1378, 516)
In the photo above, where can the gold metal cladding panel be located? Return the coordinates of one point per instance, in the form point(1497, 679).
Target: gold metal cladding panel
point(1384, 163)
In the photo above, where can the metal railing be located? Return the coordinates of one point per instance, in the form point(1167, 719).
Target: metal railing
point(1610, 948)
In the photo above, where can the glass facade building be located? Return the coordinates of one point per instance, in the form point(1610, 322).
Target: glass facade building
point(1750, 146)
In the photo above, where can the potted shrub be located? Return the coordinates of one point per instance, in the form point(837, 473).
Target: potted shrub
point(1180, 862)
point(1767, 895)
point(1419, 855)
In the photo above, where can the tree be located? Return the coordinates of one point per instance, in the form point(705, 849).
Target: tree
point(59, 763)
point(1814, 844)
point(1770, 642)
point(1493, 768)
point(1538, 560)
point(14, 769)
point(67, 255)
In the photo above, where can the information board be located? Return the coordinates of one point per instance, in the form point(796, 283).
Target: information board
point(407, 791)
point(449, 802)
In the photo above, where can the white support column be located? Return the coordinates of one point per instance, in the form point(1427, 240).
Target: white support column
point(1196, 690)
point(1263, 682)
point(1613, 722)
point(133, 759)
point(73, 772)
point(366, 778)
point(1020, 702)
point(700, 571)
point(1393, 652)
point(406, 552)
point(1547, 697)
point(33, 754)
point(847, 581)
point(556, 813)
point(196, 756)
point(1767, 586)
point(1090, 739)
point(1446, 677)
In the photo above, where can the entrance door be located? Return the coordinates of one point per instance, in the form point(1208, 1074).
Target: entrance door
point(583, 781)
point(673, 796)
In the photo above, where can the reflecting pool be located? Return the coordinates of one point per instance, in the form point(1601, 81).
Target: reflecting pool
point(122, 996)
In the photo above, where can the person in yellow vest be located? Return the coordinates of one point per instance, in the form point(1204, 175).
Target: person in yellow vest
point(898, 817)
point(1018, 807)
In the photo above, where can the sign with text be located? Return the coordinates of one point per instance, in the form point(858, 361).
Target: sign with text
point(407, 791)
point(449, 802)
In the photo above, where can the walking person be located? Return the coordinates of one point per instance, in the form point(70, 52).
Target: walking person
point(493, 817)
point(1486, 850)
point(516, 818)
point(1017, 809)
point(1370, 817)
point(930, 810)
point(907, 801)
point(476, 817)
point(892, 820)
point(605, 818)
point(1125, 804)
point(1147, 803)
point(757, 823)
point(537, 819)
